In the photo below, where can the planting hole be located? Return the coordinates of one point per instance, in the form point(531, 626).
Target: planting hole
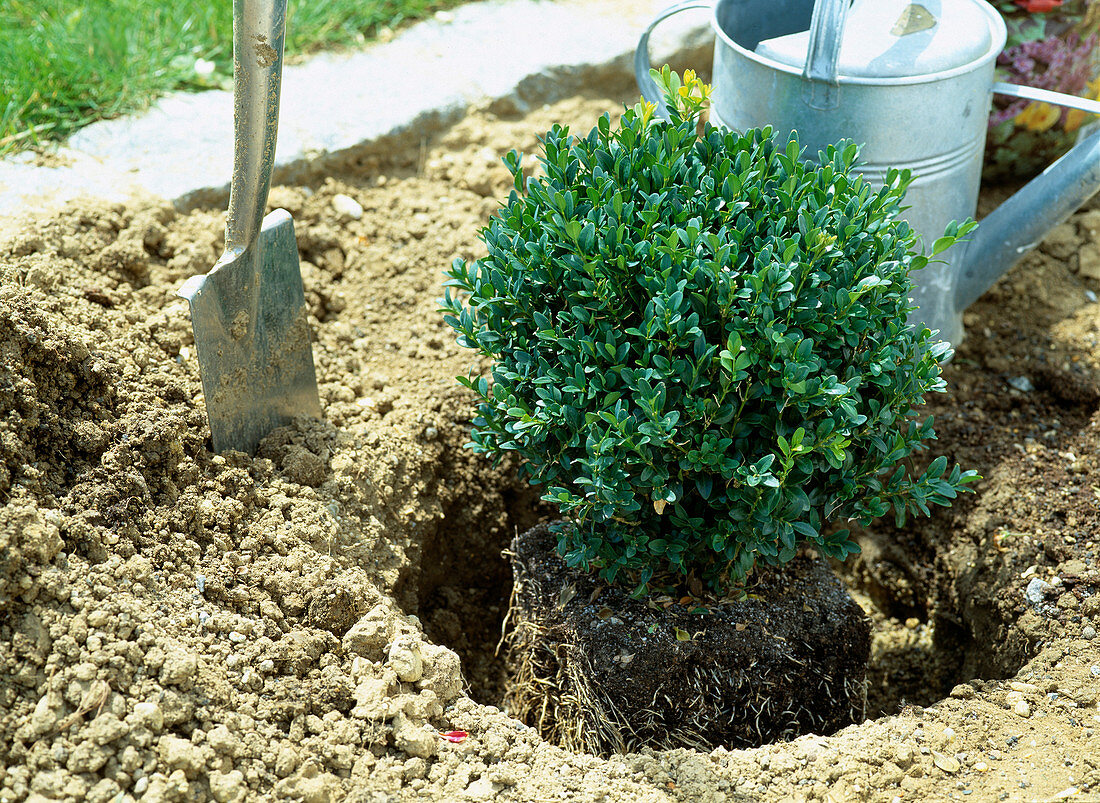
point(465, 588)
point(922, 647)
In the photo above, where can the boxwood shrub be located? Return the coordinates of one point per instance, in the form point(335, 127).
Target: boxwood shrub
point(699, 345)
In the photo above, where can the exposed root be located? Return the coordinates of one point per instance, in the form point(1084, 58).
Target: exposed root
point(560, 684)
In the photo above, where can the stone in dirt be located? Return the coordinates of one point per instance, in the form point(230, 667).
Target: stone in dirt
point(595, 670)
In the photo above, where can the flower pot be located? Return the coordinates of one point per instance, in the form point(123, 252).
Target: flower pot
point(596, 670)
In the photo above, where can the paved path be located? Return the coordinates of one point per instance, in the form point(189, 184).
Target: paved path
point(525, 52)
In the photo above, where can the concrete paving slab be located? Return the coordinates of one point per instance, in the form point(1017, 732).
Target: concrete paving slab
point(527, 52)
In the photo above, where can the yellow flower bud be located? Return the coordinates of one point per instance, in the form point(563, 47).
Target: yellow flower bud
point(1038, 116)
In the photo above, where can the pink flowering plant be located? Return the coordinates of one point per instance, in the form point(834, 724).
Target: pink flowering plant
point(1052, 44)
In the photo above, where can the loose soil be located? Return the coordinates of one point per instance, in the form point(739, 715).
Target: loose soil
point(182, 626)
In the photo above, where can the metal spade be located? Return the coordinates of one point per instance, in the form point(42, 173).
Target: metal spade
point(248, 313)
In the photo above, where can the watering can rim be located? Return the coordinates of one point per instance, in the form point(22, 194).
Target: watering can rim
point(998, 39)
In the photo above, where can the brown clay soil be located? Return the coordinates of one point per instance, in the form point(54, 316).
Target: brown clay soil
point(181, 626)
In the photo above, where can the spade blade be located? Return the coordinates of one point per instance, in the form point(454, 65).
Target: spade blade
point(252, 339)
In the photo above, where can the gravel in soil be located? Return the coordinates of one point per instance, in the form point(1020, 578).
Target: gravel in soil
point(181, 626)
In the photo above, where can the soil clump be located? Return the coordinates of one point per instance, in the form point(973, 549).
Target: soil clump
point(598, 671)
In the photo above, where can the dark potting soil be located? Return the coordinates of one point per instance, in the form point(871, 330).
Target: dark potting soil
point(596, 670)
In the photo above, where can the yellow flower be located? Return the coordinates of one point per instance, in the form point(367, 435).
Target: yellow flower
point(1038, 116)
point(1075, 118)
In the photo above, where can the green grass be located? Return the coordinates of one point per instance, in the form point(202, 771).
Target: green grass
point(67, 63)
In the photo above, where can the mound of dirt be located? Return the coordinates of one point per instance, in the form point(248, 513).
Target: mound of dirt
point(182, 626)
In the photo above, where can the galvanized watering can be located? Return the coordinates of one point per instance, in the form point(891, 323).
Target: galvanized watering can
point(913, 84)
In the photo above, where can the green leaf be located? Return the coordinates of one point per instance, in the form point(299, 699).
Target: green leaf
point(942, 244)
point(587, 238)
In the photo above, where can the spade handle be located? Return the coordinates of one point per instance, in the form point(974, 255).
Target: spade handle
point(259, 28)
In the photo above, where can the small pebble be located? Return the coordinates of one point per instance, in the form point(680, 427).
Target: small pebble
point(948, 764)
point(236, 637)
point(1094, 671)
point(1022, 708)
point(1036, 590)
point(1022, 384)
point(141, 785)
point(1088, 632)
point(346, 206)
point(200, 582)
point(1091, 296)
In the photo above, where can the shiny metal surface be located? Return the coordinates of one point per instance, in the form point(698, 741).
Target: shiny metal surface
point(932, 124)
point(248, 313)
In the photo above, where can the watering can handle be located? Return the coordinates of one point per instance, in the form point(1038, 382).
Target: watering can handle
point(821, 89)
point(1047, 96)
point(650, 90)
point(259, 28)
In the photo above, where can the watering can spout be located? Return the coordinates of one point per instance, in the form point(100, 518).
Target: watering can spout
point(1021, 222)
